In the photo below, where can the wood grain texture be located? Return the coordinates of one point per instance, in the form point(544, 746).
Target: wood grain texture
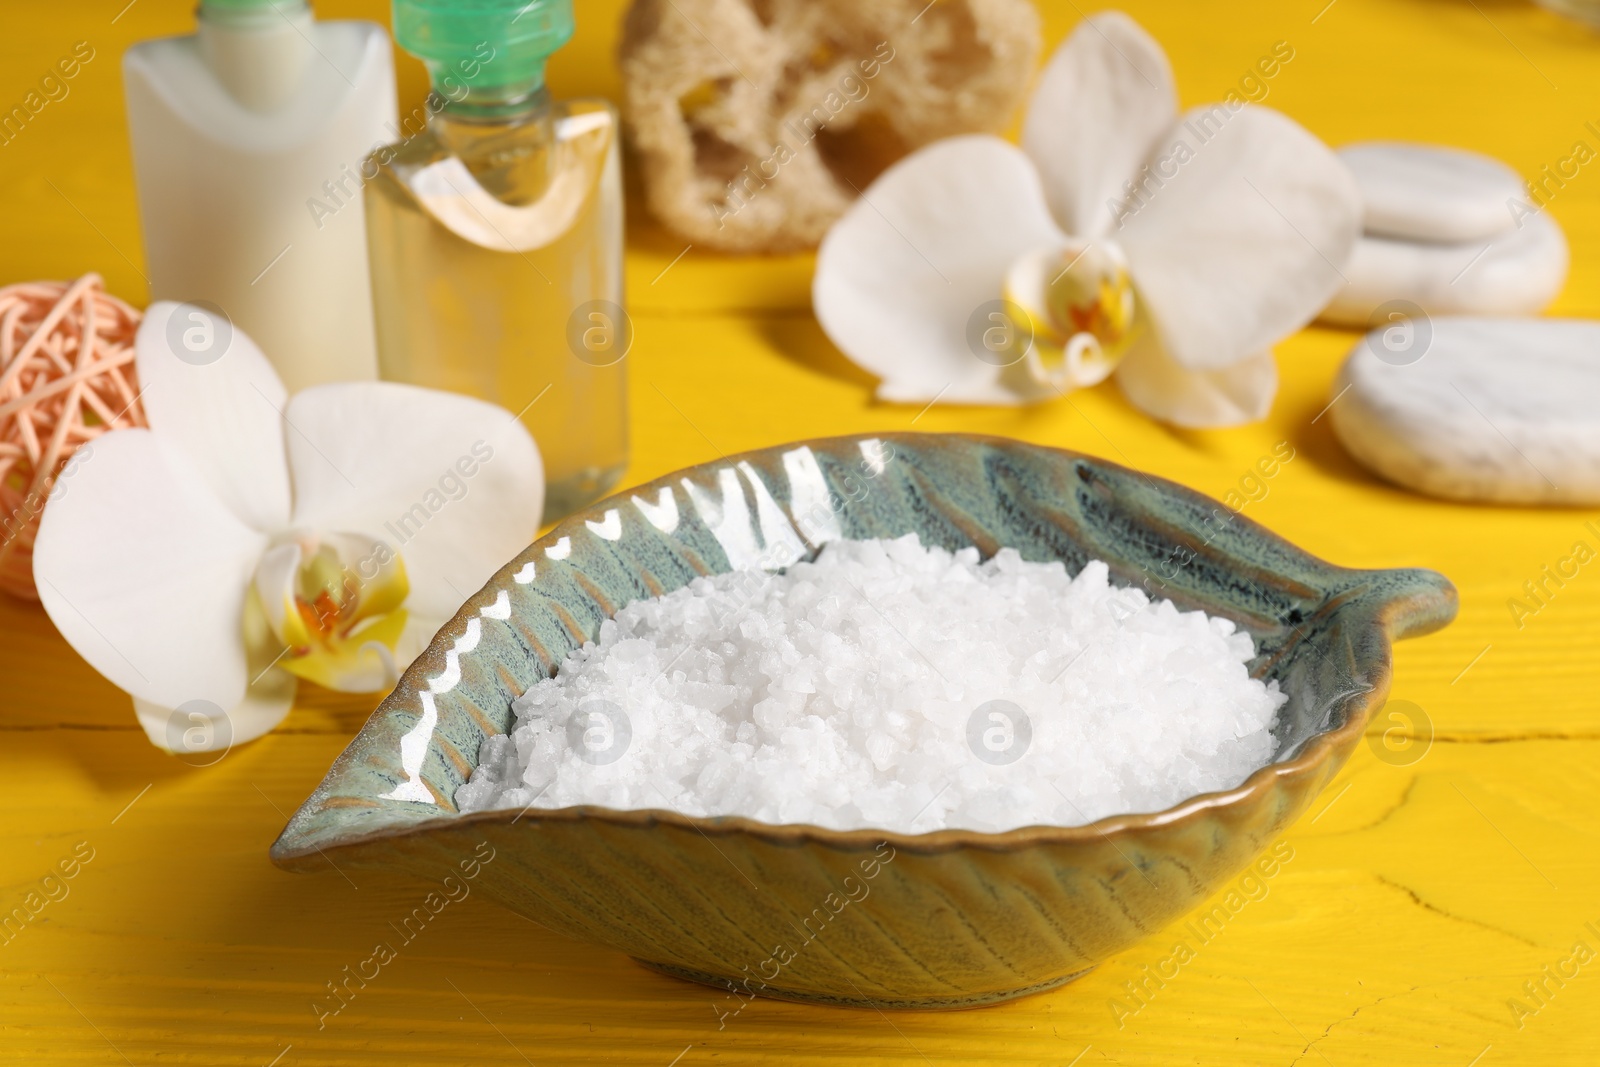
point(1418, 902)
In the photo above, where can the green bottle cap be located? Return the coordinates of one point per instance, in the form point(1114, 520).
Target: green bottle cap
point(250, 11)
point(493, 48)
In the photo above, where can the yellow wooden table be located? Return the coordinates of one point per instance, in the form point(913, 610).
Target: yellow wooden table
point(1435, 896)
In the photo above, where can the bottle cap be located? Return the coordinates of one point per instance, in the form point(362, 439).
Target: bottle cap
point(485, 46)
point(250, 12)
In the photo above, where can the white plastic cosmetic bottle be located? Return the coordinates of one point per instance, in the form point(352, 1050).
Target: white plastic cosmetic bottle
point(248, 139)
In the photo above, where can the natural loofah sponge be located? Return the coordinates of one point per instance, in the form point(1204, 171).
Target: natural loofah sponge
point(758, 121)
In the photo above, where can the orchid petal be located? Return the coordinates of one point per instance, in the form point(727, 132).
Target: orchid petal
point(1198, 399)
point(1243, 240)
point(903, 274)
point(452, 483)
point(194, 728)
point(1104, 99)
point(274, 591)
point(144, 572)
point(222, 409)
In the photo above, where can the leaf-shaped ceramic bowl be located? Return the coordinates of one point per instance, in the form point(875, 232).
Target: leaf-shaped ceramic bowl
point(953, 918)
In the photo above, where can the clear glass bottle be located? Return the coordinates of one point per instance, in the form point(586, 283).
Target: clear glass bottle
point(495, 237)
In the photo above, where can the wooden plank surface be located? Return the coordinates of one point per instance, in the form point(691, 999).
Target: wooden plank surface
point(1421, 897)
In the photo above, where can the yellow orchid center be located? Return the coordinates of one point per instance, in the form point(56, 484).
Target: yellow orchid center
point(329, 606)
point(1082, 308)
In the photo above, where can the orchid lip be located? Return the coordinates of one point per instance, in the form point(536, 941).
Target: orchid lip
point(332, 604)
point(1082, 310)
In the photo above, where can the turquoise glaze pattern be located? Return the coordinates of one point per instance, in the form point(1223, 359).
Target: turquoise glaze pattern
point(952, 918)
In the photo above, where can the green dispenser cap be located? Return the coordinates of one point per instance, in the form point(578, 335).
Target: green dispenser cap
point(250, 11)
point(495, 48)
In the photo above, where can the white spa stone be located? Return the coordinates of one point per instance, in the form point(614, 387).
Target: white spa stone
point(1517, 272)
point(1498, 410)
point(1423, 192)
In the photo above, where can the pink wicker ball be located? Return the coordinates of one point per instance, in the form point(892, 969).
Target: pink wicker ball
point(66, 377)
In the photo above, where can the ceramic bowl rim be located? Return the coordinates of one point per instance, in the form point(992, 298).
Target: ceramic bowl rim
point(1310, 757)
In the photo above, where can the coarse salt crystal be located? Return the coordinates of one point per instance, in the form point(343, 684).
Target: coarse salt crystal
point(890, 686)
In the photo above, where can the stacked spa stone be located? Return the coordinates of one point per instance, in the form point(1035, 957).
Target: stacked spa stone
point(1447, 232)
point(1451, 393)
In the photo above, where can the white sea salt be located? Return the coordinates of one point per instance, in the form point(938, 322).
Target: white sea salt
point(891, 686)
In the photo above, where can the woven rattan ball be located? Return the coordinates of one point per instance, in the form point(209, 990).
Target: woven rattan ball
point(66, 377)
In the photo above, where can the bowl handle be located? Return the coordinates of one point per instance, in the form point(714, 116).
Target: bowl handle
point(1416, 601)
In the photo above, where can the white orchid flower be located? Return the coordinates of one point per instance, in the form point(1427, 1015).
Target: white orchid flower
point(248, 539)
point(1173, 250)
